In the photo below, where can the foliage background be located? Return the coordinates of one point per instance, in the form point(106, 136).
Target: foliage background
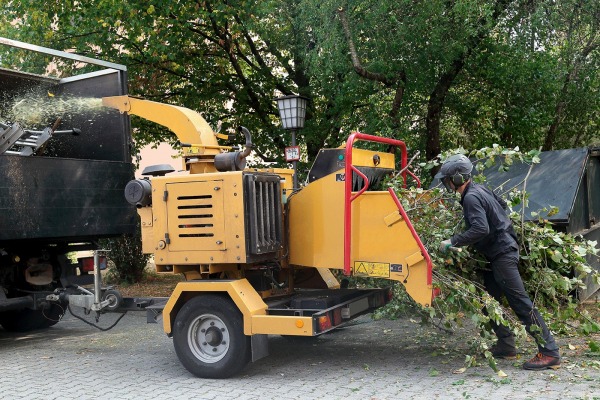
point(437, 74)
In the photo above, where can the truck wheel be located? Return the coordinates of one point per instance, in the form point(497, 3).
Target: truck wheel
point(28, 320)
point(52, 315)
point(209, 338)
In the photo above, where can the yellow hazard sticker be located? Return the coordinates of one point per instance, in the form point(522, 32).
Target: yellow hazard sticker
point(372, 269)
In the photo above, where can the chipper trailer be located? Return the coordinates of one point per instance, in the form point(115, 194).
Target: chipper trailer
point(257, 254)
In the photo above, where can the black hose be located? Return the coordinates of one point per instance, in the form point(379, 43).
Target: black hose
point(94, 325)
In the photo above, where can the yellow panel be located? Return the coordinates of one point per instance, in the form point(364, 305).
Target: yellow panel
point(316, 224)
point(381, 241)
point(228, 215)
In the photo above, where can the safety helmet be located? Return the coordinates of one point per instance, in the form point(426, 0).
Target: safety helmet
point(456, 169)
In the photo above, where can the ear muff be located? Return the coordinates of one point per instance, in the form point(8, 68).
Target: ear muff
point(457, 179)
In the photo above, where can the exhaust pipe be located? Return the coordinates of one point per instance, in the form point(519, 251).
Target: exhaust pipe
point(235, 161)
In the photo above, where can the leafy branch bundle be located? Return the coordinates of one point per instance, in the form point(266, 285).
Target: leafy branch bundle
point(553, 264)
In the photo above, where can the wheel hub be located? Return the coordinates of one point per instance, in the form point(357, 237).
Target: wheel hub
point(213, 336)
point(208, 338)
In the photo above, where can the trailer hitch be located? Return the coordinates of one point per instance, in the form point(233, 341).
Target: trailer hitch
point(99, 300)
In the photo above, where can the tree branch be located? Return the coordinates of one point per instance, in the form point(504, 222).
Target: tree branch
point(360, 70)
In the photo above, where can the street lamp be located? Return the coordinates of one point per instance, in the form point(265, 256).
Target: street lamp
point(292, 110)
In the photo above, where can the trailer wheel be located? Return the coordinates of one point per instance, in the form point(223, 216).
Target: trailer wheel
point(209, 338)
point(115, 299)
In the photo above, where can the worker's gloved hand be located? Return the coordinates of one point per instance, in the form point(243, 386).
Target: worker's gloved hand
point(445, 245)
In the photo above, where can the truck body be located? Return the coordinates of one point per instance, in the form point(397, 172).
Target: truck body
point(61, 184)
point(257, 253)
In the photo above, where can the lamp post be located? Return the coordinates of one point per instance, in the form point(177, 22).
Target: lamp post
point(292, 110)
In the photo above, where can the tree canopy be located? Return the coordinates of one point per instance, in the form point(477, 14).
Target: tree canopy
point(437, 74)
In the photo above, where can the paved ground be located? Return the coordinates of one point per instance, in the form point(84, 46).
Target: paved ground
point(369, 360)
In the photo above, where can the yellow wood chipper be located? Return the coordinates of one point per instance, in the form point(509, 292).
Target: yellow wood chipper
point(257, 253)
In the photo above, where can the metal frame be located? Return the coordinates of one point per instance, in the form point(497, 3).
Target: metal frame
point(62, 54)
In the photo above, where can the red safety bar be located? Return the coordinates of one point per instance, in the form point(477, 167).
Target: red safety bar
point(349, 198)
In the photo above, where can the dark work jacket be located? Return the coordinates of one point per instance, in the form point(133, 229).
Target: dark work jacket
point(489, 229)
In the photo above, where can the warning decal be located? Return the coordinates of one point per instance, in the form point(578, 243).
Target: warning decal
point(373, 269)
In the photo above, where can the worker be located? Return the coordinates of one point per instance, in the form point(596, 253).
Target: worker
point(490, 231)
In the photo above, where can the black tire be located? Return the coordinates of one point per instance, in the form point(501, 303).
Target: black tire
point(209, 339)
point(115, 298)
point(28, 320)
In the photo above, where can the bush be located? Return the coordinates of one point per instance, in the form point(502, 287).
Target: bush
point(126, 254)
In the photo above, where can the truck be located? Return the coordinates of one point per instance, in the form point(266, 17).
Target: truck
point(61, 184)
point(260, 255)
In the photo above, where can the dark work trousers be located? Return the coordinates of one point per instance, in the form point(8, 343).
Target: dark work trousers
point(504, 279)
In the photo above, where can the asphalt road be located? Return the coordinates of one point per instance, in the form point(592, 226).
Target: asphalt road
point(369, 360)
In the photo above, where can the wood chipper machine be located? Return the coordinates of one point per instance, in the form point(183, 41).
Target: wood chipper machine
point(257, 254)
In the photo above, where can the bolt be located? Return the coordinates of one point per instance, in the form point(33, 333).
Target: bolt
point(204, 343)
point(223, 342)
point(222, 329)
point(202, 330)
point(214, 349)
point(212, 324)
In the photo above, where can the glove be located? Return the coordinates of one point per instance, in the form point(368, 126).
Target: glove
point(445, 245)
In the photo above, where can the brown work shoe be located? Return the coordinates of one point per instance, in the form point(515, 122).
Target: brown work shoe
point(503, 351)
point(541, 361)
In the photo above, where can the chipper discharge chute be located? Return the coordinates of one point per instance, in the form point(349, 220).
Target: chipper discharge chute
point(256, 253)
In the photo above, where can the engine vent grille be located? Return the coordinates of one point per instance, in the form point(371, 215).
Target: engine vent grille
point(195, 217)
point(263, 213)
point(194, 212)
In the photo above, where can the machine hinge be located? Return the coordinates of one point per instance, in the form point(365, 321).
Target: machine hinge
point(165, 195)
point(167, 239)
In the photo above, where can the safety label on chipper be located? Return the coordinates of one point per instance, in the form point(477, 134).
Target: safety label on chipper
point(372, 269)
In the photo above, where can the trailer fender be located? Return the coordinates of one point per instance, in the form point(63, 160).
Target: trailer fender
point(246, 299)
